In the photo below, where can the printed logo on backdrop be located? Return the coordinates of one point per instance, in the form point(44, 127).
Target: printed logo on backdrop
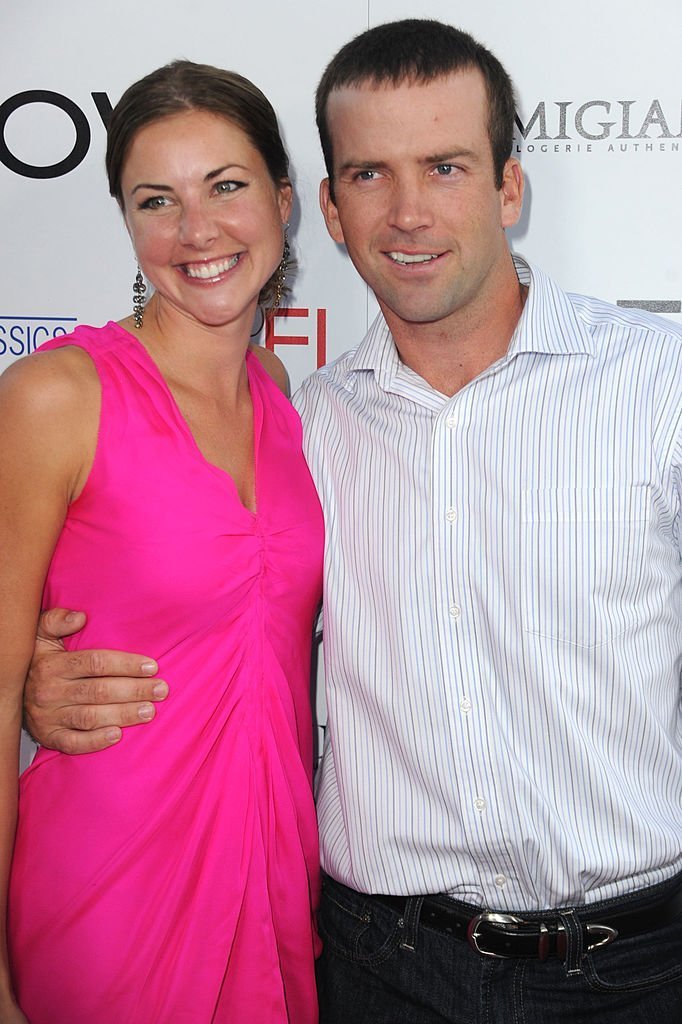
point(21, 335)
point(615, 126)
point(25, 119)
point(599, 125)
point(316, 336)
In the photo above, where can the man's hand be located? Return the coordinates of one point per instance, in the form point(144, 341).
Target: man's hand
point(78, 701)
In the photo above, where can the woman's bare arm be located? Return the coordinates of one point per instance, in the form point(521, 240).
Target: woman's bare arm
point(49, 408)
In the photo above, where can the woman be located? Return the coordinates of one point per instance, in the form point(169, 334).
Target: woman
point(153, 475)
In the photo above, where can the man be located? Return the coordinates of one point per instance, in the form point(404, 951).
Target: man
point(500, 465)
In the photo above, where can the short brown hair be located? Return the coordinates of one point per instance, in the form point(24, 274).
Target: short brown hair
point(420, 50)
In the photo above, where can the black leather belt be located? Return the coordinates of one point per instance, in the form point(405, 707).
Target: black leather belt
point(539, 935)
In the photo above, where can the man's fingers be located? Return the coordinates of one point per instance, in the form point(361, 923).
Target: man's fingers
point(117, 690)
point(63, 691)
point(82, 728)
point(96, 717)
point(73, 742)
point(59, 622)
point(92, 664)
point(96, 692)
point(89, 664)
point(59, 667)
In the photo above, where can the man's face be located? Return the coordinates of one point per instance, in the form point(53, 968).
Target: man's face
point(415, 197)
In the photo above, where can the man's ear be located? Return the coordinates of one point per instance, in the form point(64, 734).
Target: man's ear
point(329, 212)
point(511, 193)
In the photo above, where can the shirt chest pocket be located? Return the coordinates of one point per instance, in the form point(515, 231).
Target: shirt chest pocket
point(582, 559)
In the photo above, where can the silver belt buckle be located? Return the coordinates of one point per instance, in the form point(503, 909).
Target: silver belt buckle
point(604, 934)
point(608, 934)
point(473, 934)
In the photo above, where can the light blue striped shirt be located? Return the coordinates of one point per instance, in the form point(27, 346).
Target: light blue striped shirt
point(503, 611)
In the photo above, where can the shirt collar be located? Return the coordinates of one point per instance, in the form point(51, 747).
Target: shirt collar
point(549, 324)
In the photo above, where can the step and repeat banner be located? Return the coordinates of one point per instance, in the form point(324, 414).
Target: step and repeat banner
point(599, 130)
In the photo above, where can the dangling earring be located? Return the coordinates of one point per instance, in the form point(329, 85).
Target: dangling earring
point(281, 272)
point(139, 288)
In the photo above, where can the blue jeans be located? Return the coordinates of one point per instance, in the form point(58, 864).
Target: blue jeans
point(381, 967)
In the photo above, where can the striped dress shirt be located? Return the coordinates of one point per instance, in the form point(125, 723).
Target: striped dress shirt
point(503, 612)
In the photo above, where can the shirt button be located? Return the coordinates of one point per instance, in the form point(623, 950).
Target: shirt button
point(451, 422)
point(451, 515)
point(465, 705)
point(500, 881)
point(455, 611)
point(479, 804)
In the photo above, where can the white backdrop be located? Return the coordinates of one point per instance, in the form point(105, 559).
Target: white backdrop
point(600, 108)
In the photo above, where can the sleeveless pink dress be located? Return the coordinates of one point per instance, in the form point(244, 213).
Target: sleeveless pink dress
point(173, 878)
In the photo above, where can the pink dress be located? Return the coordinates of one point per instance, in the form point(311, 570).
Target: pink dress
point(173, 878)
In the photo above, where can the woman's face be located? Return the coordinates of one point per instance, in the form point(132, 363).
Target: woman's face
point(204, 216)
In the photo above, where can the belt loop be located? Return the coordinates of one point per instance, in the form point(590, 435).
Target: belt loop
point(573, 934)
point(410, 922)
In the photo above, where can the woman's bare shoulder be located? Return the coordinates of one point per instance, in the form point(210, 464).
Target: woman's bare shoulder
point(50, 405)
point(273, 366)
point(54, 381)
